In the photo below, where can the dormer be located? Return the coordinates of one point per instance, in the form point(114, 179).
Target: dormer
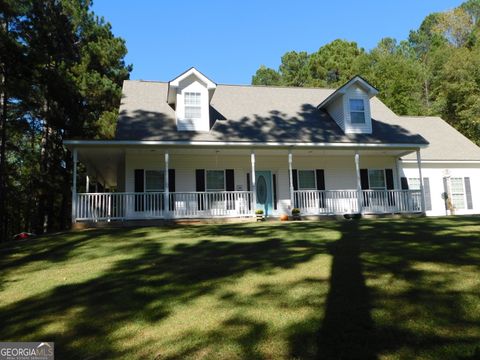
point(190, 95)
point(349, 106)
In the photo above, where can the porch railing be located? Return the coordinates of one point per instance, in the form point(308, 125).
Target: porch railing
point(317, 202)
point(153, 205)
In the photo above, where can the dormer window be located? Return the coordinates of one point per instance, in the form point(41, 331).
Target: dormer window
point(357, 111)
point(193, 108)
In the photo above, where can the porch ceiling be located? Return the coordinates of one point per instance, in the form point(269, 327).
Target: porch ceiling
point(102, 162)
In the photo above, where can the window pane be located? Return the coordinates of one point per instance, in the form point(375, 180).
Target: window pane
point(357, 117)
point(458, 193)
point(192, 98)
point(414, 183)
point(458, 201)
point(192, 112)
point(357, 105)
point(154, 180)
point(215, 180)
point(376, 179)
point(306, 179)
point(457, 185)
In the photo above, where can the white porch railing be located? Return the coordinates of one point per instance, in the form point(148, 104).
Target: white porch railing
point(317, 202)
point(152, 205)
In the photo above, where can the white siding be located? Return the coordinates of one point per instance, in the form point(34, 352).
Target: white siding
point(192, 84)
point(336, 111)
point(356, 92)
point(435, 174)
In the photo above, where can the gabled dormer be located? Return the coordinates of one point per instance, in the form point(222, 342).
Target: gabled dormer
point(349, 106)
point(190, 94)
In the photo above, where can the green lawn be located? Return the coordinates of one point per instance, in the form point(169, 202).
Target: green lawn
point(369, 289)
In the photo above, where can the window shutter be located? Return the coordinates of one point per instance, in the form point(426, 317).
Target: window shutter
point(404, 183)
point(274, 180)
point(389, 178)
point(200, 186)
point(229, 180)
point(426, 189)
point(200, 179)
point(248, 189)
point(139, 187)
point(321, 186)
point(295, 179)
point(364, 179)
point(171, 180)
point(468, 193)
point(320, 179)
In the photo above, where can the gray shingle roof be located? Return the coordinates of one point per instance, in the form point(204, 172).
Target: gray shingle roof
point(446, 143)
point(252, 114)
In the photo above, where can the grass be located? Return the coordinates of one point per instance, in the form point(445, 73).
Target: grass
point(369, 289)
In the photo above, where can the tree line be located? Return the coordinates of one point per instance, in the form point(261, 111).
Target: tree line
point(61, 72)
point(436, 71)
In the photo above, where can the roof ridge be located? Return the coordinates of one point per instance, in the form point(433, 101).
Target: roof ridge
point(279, 87)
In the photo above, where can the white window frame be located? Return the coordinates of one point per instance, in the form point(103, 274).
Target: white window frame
point(357, 111)
point(206, 181)
point(384, 179)
point(197, 104)
point(463, 193)
point(145, 181)
point(314, 176)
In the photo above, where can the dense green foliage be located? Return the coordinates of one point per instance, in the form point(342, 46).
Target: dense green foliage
point(436, 71)
point(368, 289)
point(61, 71)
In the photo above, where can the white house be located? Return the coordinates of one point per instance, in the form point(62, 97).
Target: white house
point(190, 148)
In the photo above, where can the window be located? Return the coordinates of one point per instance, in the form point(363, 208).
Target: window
point(306, 180)
point(357, 111)
point(154, 180)
point(192, 105)
point(215, 180)
point(414, 183)
point(376, 179)
point(458, 192)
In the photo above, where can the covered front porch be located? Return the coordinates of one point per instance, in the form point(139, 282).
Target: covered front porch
point(125, 182)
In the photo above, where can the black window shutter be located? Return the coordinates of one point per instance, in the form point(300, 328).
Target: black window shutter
point(295, 179)
point(389, 178)
point(426, 190)
point(364, 179)
point(171, 188)
point(229, 180)
point(200, 186)
point(248, 189)
point(139, 188)
point(320, 179)
point(274, 180)
point(404, 183)
point(468, 193)
point(200, 179)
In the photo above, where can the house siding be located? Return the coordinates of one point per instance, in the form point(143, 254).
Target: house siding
point(337, 112)
point(435, 174)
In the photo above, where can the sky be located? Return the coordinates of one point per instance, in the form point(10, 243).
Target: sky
point(228, 40)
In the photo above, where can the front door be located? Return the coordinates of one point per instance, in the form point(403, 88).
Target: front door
point(264, 191)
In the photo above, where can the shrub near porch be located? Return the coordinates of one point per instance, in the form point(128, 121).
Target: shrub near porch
point(387, 289)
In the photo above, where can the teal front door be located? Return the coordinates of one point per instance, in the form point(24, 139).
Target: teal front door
point(264, 191)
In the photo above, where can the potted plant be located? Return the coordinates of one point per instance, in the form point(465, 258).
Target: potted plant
point(260, 215)
point(296, 214)
point(284, 217)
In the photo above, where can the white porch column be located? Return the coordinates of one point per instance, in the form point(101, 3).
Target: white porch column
point(74, 186)
point(166, 186)
point(359, 182)
point(87, 184)
point(290, 174)
point(254, 183)
point(419, 164)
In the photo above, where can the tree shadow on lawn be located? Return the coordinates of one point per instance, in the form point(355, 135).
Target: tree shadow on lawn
point(148, 287)
point(82, 318)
